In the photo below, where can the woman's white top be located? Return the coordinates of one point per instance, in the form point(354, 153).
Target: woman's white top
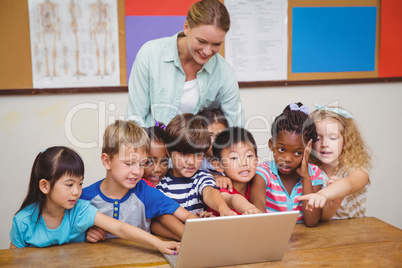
point(189, 98)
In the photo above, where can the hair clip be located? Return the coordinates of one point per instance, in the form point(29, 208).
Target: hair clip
point(158, 125)
point(44, 150)
point(338, 111)
point(295, 107)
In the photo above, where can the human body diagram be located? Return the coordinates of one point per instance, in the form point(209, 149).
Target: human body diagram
point(100, 33)
point(75, 42)
point(49, 34)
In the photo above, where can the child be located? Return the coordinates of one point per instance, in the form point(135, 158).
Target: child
point(155, 169)
point(341, 153)
point(217, 122)
point(235, 152)
point(53, 214)
point(158, 162)
point(279, 183)
point(123, 195)
point(187, 140)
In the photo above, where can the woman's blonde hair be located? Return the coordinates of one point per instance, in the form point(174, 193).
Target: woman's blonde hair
point(354, 153)
point(209, 12)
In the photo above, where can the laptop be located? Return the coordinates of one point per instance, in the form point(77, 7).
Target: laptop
point(231, 240)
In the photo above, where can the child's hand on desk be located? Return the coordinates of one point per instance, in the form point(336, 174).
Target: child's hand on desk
point(205, 214)
point(227, 212)
point(95, 234)
point(252, 210)
point(315, 200)
point(168, 247)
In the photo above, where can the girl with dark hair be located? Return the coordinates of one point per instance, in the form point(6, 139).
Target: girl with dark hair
point(53, 214)
point(217, 122)
point(157, 162)
point(279, 183)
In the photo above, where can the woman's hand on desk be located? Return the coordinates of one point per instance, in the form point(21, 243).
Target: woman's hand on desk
point(95, 234)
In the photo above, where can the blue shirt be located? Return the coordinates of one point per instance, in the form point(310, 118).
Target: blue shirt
point(27, 231)
point(187, 191)
point(157, 80)
point(137, 207)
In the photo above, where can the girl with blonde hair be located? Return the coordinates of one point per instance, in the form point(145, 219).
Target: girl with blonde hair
point(339, 151)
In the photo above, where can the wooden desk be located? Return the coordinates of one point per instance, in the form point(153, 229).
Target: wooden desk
point(367, 242)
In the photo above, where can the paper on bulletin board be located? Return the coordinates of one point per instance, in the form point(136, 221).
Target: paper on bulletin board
point(390, 63)
point(256, 44)
point(74, 43)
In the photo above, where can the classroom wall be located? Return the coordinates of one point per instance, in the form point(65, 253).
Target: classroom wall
point(29, 124)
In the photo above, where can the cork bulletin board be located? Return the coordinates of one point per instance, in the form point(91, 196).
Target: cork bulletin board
point(15, 52)
point(374, 57)
point(334, 39)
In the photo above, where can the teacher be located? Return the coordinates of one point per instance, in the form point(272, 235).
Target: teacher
point(184, 73)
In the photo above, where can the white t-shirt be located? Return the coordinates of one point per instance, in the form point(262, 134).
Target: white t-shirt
point(189, 99)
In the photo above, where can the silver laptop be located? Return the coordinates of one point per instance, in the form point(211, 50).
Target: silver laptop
point(232, 240)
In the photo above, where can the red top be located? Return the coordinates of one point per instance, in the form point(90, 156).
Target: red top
point(223, 190)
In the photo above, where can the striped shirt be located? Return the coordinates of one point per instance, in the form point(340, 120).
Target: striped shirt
point(187, 191)
point(278, 199)
point(354, 205)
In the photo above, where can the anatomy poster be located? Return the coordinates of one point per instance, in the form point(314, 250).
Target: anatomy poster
point(74, 43)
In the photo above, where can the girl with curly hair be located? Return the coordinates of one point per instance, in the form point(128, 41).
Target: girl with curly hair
point(339, 151)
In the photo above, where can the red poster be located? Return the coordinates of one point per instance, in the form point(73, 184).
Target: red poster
point(157, 7)
point(390, 63)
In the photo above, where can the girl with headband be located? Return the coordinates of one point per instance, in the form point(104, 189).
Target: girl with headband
point(278, 184)
point(342, 154)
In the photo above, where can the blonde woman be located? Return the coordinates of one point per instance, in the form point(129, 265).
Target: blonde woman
point(184, 73)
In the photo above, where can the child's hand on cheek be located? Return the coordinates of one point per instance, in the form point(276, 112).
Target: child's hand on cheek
point(302, 170)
